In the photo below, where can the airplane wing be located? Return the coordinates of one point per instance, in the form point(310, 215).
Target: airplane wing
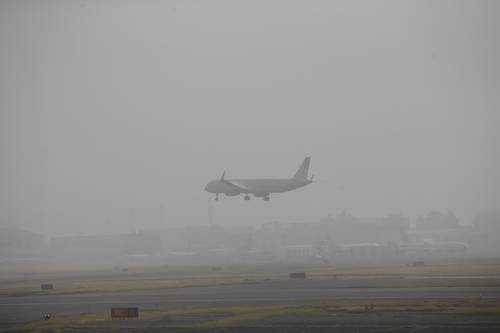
point(238, 185)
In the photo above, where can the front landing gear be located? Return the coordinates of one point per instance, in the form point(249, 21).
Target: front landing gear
point(216, 197)
point(266, 198)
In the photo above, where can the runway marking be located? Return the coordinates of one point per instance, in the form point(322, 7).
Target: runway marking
point(242, 300)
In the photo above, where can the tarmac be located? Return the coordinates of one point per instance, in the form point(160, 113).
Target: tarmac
point(26, 308)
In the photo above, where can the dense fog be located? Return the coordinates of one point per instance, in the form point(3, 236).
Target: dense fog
point(114, 115)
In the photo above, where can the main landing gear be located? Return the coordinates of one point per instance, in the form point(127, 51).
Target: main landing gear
point(216, 197)
point(266, 198)
point(246, 197)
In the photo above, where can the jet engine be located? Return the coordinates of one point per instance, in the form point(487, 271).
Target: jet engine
point(232, 192)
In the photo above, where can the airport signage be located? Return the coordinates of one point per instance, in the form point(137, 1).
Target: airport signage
point(124, 313)
point(298, 275)
point(47, 286)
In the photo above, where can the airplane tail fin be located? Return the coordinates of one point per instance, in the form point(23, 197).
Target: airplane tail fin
point(303, 170)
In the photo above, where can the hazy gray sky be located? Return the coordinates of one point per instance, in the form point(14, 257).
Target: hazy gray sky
point(120, 110)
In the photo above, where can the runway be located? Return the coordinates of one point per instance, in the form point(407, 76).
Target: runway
point(25, 308)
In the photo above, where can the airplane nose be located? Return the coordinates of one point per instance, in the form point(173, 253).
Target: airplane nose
point(207, 187)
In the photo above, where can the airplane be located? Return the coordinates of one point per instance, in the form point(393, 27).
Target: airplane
point(260, 188)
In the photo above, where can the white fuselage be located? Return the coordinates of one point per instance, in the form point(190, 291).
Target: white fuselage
point(260, 187)
point(257, 187)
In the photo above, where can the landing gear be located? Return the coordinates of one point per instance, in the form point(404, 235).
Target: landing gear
point(266, 198)
point(216, 196)
point(246, 197)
